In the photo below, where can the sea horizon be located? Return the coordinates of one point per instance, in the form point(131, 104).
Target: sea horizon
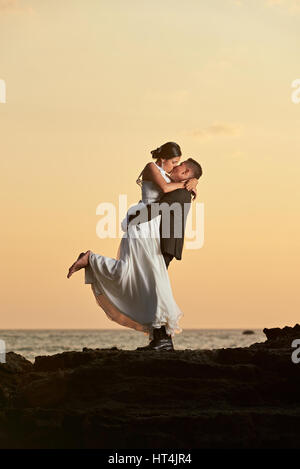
point(36, 342)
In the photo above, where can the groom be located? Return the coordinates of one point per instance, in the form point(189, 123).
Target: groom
point(172, 239)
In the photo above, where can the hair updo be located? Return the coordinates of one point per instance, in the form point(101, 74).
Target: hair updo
point(167, 151)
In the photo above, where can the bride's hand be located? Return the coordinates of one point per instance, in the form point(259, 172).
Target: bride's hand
point(191, 184)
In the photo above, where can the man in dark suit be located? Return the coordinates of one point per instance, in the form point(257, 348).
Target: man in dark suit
point(173, 208)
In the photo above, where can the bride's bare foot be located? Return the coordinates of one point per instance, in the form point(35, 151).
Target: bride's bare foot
point(82, 261)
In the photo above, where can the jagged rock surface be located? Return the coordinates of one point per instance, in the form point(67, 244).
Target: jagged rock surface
point(111, 398)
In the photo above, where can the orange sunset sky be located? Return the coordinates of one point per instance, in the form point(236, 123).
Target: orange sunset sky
point(92, 87)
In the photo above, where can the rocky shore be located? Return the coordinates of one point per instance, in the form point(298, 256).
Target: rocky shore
point(111, 398)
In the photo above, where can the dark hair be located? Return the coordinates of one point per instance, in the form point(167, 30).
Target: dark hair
point(167, 151)
point(195, 167)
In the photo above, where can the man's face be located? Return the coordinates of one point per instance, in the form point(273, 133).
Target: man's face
point(181, 172)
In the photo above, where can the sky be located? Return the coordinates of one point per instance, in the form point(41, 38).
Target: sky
point(91, 88)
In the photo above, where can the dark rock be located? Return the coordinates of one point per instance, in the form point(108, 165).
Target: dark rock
point(283, 334)
point(111, 398)
point(11, 374)
point(15, 363)
point(248, 332)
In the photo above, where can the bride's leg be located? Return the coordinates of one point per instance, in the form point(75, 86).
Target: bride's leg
point(81, 262)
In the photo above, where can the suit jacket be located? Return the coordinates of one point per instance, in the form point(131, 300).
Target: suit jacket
point(173, 243)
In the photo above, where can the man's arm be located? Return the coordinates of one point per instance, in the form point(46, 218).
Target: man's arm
point(181, 196)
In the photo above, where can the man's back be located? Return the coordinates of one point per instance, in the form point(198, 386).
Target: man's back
point(172, 243)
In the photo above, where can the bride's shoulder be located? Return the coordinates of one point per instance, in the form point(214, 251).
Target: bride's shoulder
point(151, 164)
point(146, 172)
point(148, 169)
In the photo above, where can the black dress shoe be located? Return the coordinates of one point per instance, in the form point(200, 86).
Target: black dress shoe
point(161, 341)
point(162, 344)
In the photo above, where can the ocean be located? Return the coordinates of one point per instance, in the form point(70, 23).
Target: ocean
point(33, 342)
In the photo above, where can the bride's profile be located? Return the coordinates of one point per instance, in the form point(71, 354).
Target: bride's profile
point(134, 289)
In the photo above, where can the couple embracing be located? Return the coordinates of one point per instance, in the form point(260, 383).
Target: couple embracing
point(134, 289)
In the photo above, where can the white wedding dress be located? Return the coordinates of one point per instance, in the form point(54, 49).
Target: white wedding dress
point(134, 289)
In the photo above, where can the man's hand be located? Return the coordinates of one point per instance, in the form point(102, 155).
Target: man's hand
point(191, 184)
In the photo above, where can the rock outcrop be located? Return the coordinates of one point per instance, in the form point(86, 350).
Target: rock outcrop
point(111, 398)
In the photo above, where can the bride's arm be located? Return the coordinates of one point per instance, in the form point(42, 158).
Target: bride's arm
point(152, 173)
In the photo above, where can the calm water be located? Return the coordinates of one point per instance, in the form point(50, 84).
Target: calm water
point(31, 343)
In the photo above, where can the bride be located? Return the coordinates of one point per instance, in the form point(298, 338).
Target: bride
point(134, 289)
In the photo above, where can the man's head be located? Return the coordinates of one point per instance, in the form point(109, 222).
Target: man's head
point(186, 170)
